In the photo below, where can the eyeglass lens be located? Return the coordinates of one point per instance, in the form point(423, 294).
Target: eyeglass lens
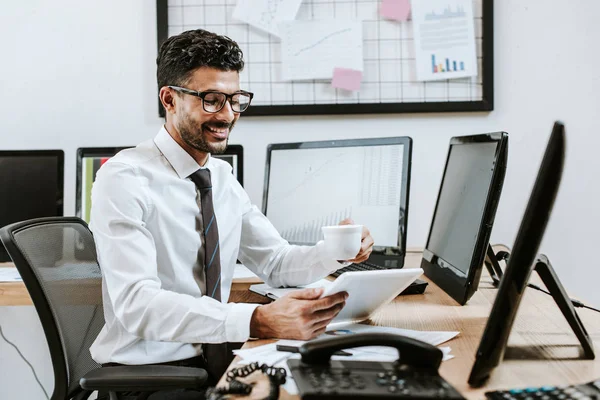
point(214, 102)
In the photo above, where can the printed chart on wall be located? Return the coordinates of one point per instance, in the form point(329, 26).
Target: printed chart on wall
point(351, 56)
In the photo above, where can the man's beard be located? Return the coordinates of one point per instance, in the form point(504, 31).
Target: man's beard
point(195, 137)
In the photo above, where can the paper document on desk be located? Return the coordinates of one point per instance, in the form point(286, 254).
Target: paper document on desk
point(269, 354)
point(434, 338)
point(242, 272)
point(275, 293)
point(9, 274)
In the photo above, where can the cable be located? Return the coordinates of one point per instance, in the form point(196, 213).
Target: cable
point(504, 256)
point(24, 359)
point(576, 303)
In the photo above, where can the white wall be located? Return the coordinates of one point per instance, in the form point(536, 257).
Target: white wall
point(76, 73)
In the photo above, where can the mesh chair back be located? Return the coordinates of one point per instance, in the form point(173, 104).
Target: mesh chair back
point(56, 258)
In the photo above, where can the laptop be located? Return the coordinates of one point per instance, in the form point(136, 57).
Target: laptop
point(313, 184)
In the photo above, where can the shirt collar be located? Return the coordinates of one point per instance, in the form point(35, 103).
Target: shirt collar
point(180, 160)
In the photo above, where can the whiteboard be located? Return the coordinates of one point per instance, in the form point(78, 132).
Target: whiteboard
point(389, 80)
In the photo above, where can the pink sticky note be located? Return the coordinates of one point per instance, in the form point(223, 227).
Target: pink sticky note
point(395, 9)
point(345, 78)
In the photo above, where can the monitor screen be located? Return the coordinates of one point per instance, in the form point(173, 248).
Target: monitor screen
point(32, 182)
point(522, 261)
point(464, 213)
point(90, 159)
point(314, 184)
point(462, 199)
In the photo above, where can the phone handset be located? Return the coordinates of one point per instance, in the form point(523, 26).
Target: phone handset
point(414, 353)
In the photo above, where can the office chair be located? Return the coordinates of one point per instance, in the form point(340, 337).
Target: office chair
point(66, 292)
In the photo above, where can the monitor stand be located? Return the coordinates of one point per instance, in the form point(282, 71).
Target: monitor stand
point(544, 269)
point(492, 263)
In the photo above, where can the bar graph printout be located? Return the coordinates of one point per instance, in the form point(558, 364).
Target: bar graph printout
point(444, 39)
point(311, 188)
point(313, 49)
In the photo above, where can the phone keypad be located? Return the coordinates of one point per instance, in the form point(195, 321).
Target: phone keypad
point(373, 383)
point(586, 391)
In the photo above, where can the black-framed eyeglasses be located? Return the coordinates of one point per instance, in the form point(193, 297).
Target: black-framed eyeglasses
point(213, 101)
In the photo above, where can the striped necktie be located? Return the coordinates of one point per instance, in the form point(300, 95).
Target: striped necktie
point(212, 260)
point(216, 354)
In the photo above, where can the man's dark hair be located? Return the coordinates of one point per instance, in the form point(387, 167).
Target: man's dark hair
point(181, 54)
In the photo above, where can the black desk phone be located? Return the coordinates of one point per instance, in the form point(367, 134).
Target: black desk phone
point(413, 376)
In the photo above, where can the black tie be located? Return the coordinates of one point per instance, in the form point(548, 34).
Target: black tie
point(216, 355)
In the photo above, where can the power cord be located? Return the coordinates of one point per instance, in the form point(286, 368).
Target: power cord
point(504, 256)
point(576, 303)
point(24, 359)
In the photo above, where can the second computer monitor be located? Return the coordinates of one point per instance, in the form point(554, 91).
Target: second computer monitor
point(90, 159)
point(464, 213)
point(313, 184)
point(32, 186)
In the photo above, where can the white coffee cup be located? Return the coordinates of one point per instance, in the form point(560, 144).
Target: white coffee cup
point(342, 242)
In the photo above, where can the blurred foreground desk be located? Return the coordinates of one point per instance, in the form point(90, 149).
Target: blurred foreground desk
point(542, 348)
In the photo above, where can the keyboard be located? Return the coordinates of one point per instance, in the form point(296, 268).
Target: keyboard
point(584, 391)
point(417, 287)
point(363, 266)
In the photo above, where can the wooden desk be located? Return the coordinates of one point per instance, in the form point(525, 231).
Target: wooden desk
point(542, 347)
point(16, 294)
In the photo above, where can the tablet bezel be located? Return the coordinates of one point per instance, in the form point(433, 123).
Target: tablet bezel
point(363, 278)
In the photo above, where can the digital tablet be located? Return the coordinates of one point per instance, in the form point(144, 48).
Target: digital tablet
point(368, 291)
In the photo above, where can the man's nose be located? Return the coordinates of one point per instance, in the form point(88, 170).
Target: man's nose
point(227, 112)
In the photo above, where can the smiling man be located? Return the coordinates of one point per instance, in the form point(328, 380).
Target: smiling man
point(170, 221)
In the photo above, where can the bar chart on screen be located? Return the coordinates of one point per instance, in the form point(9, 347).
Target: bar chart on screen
point(310, 231)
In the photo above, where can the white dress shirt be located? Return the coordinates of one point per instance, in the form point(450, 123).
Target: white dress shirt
point(147, 227)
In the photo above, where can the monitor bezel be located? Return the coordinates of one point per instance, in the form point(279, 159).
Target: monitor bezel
point(89, 152)
point(238, 151)
point(60, 174)
point(405, 141)
point(442, 272)
point(521, 261)
point(232, 149)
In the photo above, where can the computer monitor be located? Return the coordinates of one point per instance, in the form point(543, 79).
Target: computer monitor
point(90, 159)
point(464, 213)
point(522, 261)
point(313, 184)
point(32, 184)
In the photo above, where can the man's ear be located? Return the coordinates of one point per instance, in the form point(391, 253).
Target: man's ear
point(167, 99)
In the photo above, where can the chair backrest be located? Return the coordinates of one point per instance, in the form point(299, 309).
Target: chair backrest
point(56, 257)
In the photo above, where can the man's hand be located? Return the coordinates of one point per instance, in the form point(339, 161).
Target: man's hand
point(300, 315)
point(366, 245)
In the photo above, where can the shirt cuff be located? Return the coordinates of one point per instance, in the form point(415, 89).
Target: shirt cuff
point(237, 323)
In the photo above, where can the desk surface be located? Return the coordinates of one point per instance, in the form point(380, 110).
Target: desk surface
point(542, 348)
point(16, 294)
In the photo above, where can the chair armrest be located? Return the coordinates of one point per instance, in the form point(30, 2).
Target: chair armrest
point(143, 378)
